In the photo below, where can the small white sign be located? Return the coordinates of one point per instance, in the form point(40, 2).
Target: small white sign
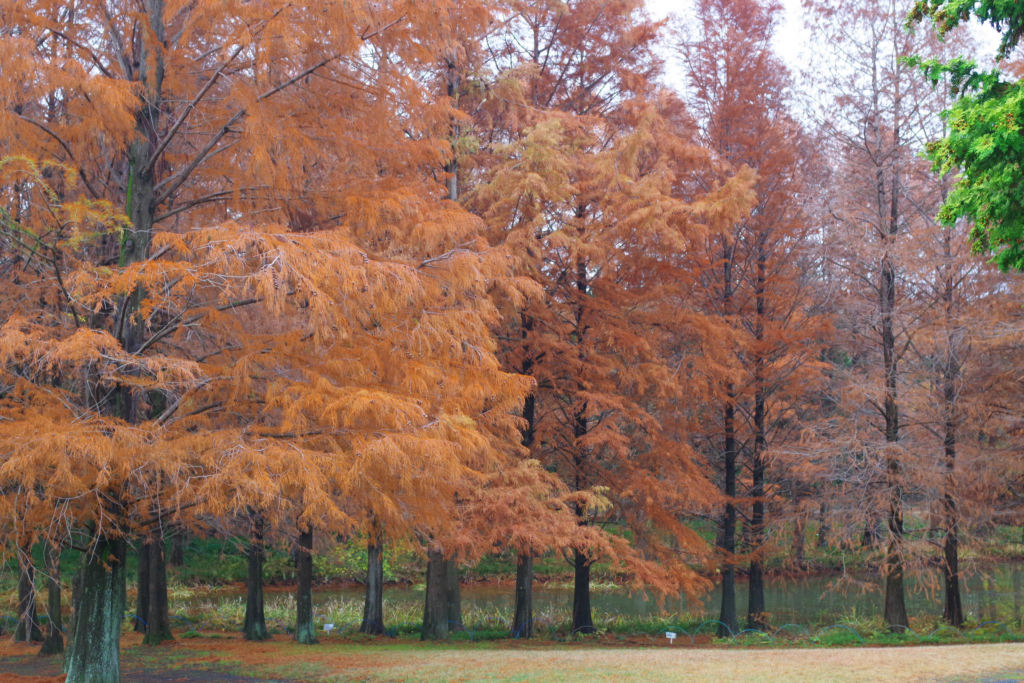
point(328, 627)
point(671, 637)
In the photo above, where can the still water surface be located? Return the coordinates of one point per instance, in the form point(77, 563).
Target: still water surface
point(997, 593)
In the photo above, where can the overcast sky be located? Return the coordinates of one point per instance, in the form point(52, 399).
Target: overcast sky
point(791, 39)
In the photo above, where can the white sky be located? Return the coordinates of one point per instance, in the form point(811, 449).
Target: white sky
point(792, 40)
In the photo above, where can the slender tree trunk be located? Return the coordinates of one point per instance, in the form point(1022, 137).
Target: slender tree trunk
point(823, 526)
point(373, 606)
point(522, 618)
point(178, 547)
point(952, 611)
point(158, 619)
point(895, 605)
point(27, 630)
point(142, 592)
point(453, 595)
point(799, 535)
point(305, 632)
point(755, 594)
point(1015, 577)
point(727, 613)
point(522, 621)
point(255, 625)
point(435, 604)
point(54, 642)
point(93, 655)
point(582, 620)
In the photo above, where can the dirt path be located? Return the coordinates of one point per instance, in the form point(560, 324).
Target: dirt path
point(231, 660)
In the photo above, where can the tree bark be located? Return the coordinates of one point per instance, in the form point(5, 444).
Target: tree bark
point(727, 613)
point(27, 630)
point(823, 526)
point(158, 618)
point(305, 632)
point(582, 621)
point(373, 605)
point(799, 537)
point(178, 547)
point(453, 595)
point(435, 604)
point(255, 625)
point(522, 621)
point(142, 592)
point(755, 593)
point(93, 656)
point(54, 642)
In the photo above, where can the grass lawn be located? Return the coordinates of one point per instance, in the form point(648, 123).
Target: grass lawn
point(228, 658)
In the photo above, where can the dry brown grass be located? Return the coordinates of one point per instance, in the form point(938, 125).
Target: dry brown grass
point(382, 660)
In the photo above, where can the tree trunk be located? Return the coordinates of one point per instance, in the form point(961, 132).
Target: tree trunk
point(582, 621)
point(727, 614)
point(522, 621)
point(54, 643)
point(755, 593)
point(799, 536)
point(178, 547)
point(158, 618)
point(305, 632)
point(373, 605)
point(435, 604)
point(1015, 574)
point(453, 595)
point(142, 592)
point(93, 656)
point(953, 611)
point(823, 526)
point(27, 630)
point(255, 625)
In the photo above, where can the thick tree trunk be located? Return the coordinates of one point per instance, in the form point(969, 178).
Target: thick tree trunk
point(142, 592)
point(373, 605)
point(93, 656)
point(158, 618)
point(582, 620)
point(453, 595)
point(435, 604)
point(522, 621)
point(255, 625)
point(27, 630)
point(54, 642)
point(305, 632)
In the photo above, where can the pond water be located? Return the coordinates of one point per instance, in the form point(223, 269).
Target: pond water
point(997, 593)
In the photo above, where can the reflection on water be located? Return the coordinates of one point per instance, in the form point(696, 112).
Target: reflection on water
point(995, 594)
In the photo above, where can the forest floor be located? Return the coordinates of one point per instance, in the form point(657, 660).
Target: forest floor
point(230, 659)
